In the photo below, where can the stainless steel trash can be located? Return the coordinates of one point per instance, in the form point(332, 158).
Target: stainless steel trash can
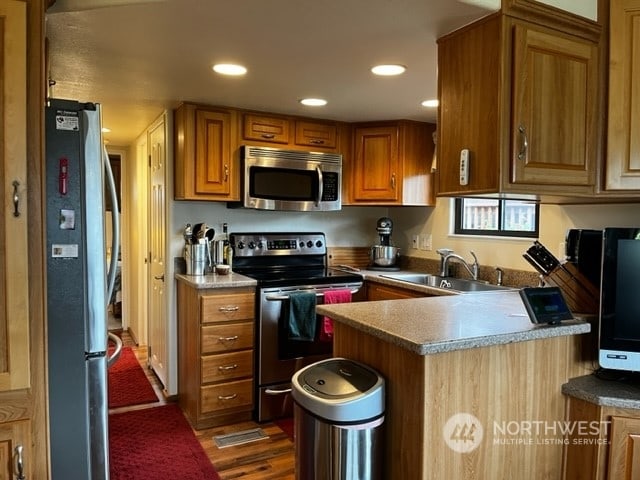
point(338, 421)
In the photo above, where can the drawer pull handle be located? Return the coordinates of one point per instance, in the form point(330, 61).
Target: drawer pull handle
point(227, 397)
point(317, 142)
point(228, 339)
point(230, 308)
point(228, 367)
point(268, 135)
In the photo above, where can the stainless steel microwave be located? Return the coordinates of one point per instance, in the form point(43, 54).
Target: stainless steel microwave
point(278, 179)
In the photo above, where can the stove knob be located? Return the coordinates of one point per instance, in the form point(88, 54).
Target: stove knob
point(301, 244)
point(260, 245)
point(318, 243)
point(251, 245)
point(240, 245)
point(309, 244)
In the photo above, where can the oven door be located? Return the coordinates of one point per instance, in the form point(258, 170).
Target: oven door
point(278, 356)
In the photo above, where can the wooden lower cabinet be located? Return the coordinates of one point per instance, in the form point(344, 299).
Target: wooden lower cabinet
point(215, 354)
point(378, 291)
point(609, 452)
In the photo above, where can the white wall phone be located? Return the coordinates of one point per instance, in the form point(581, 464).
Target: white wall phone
point(464, 166)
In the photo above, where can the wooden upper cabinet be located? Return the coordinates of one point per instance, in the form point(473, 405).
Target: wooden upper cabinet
point(262, 128)
point(391, 163)
point(18, 397)
point(622, 170)
point(205, 167)
point(282, 131)
point(522, 99)
point(313, 134)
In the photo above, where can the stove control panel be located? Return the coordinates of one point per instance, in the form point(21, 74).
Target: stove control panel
point(264, 244)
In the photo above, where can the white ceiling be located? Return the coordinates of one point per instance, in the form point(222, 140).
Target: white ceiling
point(139, 59)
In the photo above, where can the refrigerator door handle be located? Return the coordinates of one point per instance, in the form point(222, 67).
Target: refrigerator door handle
point(115, 225)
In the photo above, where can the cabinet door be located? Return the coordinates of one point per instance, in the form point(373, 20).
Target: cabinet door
point(311, 134)
point(261, 128)
point(553, 130)
point(213, 152)
point(623, 145)
point(376, 171)
point(624, 453)
point(15, 449)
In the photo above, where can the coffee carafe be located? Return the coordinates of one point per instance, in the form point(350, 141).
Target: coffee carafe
point(384, 256)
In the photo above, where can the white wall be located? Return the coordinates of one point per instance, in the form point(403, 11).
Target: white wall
point(506, 252)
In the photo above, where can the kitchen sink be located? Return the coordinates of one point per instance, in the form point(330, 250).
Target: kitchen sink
point(461, 285)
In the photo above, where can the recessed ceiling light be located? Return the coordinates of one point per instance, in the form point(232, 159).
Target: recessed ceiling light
point(388, 70)
point(229, 69)
point(313, 102)
point(430, 103)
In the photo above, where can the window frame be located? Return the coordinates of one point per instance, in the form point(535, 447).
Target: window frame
point(499, 232)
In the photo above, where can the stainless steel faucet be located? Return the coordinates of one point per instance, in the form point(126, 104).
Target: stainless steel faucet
point(448, 255)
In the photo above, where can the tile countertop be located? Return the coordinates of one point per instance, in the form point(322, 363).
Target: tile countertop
point(213, 280)
point(606, 393)
point(447, 323)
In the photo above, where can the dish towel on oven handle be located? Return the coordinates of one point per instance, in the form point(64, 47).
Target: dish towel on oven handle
point(302, 316)
point(332, 296)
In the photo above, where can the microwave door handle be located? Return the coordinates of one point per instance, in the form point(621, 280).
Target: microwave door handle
point(320, 186)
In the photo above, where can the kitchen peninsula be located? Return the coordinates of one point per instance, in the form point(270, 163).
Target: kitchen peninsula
point(475, 354)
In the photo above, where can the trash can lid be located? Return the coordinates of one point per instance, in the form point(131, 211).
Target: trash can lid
point(339, 390)
point(338, 378)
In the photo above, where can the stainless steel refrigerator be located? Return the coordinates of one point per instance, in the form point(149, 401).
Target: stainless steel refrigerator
point(77, 289)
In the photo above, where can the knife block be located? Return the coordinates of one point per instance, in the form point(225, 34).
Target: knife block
point(581, 295)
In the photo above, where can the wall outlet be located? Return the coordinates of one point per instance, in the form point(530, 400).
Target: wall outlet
point(414, 242)
point(425, 242)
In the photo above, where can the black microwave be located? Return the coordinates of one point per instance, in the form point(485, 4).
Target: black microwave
point(278, 179)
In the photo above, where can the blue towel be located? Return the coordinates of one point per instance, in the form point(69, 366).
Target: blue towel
point(301, 316)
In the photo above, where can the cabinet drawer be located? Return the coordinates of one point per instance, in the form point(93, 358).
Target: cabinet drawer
point(316, 134)
point(227, 307)
point(225, 338)
point(227, 366)
point(265, 129)
point(226, 395)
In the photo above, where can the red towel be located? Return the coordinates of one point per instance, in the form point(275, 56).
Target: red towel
point(332, 296)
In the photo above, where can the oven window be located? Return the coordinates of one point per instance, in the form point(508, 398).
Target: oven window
point(283, 184)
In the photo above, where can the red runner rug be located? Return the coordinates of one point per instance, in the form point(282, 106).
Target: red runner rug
point(156, 443)
point(128, 384)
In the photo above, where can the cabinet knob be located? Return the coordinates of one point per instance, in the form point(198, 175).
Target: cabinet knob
point(228, 339)
point(19, 463)
point(268, 135)
point(223, 368)
point(230, 308)
point(393, 181)
point(227, 397)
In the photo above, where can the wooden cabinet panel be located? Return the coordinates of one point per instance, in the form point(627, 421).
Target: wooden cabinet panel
point(316, 134)
point(378, 291)
point(227, 307)
point(226, 396)
point(624, 453)
point(14, 435)
point(226, 337)
point(376, 164)
point(205, 164)
point(553, 119)
point(523, 99)
point(228, 366)
point(623, 144)
point(262, 128)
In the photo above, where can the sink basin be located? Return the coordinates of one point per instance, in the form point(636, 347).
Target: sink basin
point(461, 285)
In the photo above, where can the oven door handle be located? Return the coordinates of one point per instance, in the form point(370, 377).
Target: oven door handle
point(271, 391)
point(281, 298)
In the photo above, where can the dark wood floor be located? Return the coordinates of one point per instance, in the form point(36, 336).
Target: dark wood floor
point(267, 459)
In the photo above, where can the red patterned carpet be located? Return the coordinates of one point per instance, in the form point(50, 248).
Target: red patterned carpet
point(156, 443)
point(128, 384)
